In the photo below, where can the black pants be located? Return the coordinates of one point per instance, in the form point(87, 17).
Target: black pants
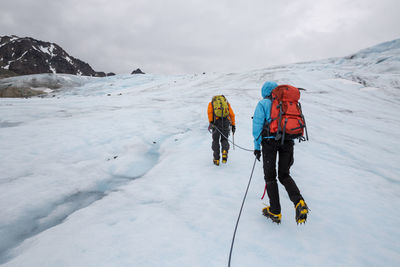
point(223, 125)
point(270, 149)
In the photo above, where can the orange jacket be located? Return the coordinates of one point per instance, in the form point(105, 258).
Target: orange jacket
point(231, 115)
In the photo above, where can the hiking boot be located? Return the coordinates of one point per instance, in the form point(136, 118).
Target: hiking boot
point(216, 162)
point(276, 218)
point(224, 156)
point(301, 212)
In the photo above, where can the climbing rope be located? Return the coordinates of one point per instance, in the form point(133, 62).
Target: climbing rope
point(240, 213)
point(245, 195)
point(245, 149)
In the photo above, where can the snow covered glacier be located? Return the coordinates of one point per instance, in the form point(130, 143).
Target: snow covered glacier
point(118, 171)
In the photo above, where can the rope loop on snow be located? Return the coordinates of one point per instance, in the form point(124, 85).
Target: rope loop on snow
point(240, 213)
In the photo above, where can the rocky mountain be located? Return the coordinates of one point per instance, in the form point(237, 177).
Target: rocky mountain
point(138, 71)
point(22, 56)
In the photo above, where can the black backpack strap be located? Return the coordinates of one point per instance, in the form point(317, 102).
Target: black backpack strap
point(284, 131)
point(305, 124)
point(279, 132)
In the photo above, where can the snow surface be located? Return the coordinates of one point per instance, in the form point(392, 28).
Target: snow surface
point(53, 70)
point(118, 172)
point(49, 49)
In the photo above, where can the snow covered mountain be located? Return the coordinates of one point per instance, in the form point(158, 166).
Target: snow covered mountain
point(30, 56)
point(373, 63)
point(117, 171)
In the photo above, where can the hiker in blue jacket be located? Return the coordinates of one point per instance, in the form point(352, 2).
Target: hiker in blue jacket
point(270, 149)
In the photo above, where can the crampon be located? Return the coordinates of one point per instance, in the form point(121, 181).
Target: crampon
point(301, 212)
point(276, 218)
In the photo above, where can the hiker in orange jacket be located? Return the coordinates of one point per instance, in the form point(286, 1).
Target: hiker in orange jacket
point(220, 126)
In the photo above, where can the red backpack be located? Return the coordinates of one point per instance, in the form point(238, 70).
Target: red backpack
point(287, 120)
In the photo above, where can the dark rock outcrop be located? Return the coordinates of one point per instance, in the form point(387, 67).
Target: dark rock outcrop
point(41, 81)
point(6, 73)
point(19, 92)
point(110, 74)
point(137, 71)
point(100, 74)
point(30, 56)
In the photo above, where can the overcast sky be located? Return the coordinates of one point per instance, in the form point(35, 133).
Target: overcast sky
point(192, 36)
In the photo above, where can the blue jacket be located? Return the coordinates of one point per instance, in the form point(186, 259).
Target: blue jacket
point(262, 113)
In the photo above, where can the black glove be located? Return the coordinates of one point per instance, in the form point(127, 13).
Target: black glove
point(210, 126)
point(257, 153)
point(233, 129)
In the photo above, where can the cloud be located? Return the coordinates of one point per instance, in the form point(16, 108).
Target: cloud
point(190, 36)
